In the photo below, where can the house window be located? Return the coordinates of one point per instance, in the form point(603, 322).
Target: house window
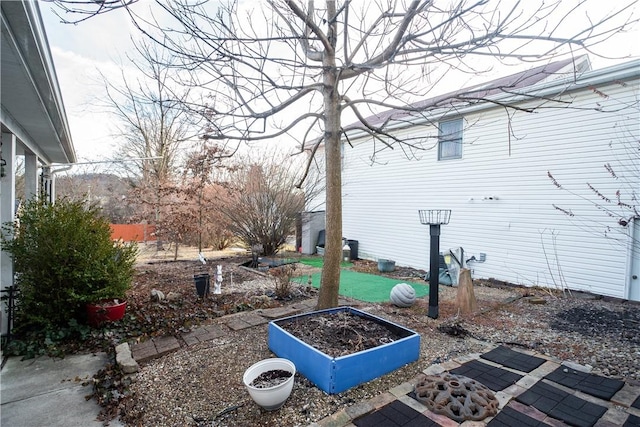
point(450, 139)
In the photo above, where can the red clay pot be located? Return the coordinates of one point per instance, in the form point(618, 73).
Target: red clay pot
point(105, 311)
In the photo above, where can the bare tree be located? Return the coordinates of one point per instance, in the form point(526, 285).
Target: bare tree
point(152, 123)
point(153, 127)
point(266, 70)
point(201, 181)
point(264, 201)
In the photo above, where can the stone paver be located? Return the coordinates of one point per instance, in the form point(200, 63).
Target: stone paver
point(440, 419)
point(280, 312)
point(144, 351)
point(614, 416)
point(204, 333)
point(166, 345)
point(627, 396)
point(544, 369)
point(404, 388)
point(190, 339)
point(153, 348)
point(410, 401)
point(434, 369)
point(212, 332)
point(157, 347)
point(382, 399)
point(503, 398)
point(253, 319)
point(359, 409)
point(237, 324)
point(339, 419)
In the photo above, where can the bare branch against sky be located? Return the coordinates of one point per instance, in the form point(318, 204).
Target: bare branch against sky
point(263, 71)
point(76, 11)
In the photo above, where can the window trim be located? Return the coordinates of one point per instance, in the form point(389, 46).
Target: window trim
point(457, 139)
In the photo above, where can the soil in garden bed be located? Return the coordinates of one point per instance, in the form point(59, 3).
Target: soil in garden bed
point(271, 378)
point(341, 333)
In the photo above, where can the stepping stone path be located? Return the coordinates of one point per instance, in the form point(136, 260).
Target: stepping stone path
point(533, 391)
point(157, 347)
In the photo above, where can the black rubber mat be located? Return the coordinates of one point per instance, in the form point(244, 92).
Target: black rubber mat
point(632, 421)
point(509, 417)
point(513, 359)
point(395, 414)
point(636, 403)
point(595, 385)
point(562, 405)
point(492, 377)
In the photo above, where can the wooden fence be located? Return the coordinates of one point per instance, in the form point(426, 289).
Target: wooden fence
point(133, 232)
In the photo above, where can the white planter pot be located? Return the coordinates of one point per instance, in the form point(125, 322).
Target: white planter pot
point(269, 398)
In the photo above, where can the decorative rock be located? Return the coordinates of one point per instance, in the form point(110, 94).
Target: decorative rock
point(173, 296)
point(125, 360)
point(157, 295)
point(456, 396)
point(403, 295)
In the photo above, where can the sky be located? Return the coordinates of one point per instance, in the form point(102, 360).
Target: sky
point(103, 43)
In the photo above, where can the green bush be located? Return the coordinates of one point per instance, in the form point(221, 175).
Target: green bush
point(63, 258)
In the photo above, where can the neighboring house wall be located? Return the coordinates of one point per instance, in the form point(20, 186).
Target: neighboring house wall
point(501, 196)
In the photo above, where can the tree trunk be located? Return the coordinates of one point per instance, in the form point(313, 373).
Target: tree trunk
point(330, 281)
point(466, 298)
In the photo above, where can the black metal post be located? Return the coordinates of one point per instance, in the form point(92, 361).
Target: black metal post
point(434, 270)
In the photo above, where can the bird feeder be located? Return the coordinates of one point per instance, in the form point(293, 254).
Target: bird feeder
point(434, 218)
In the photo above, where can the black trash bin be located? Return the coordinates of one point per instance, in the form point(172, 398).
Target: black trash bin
point(353, 245)
point(202, 284)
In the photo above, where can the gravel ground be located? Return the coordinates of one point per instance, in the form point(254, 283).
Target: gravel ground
point(202, 385)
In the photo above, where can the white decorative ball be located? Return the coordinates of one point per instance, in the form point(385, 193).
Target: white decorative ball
point(403, 295)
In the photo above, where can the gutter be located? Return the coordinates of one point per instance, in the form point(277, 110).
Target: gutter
point(621, 72)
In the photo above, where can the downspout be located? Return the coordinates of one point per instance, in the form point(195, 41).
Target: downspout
point(48, 181)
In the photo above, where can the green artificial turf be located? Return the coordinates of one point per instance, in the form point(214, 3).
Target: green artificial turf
point(366, 287)
point(318, 262)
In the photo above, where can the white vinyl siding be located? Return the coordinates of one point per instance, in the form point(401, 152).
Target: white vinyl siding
point(501, 197)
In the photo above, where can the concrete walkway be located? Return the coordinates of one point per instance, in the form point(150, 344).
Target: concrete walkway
point(46, 392)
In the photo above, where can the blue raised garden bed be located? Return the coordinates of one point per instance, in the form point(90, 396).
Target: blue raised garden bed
point(337, 374)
